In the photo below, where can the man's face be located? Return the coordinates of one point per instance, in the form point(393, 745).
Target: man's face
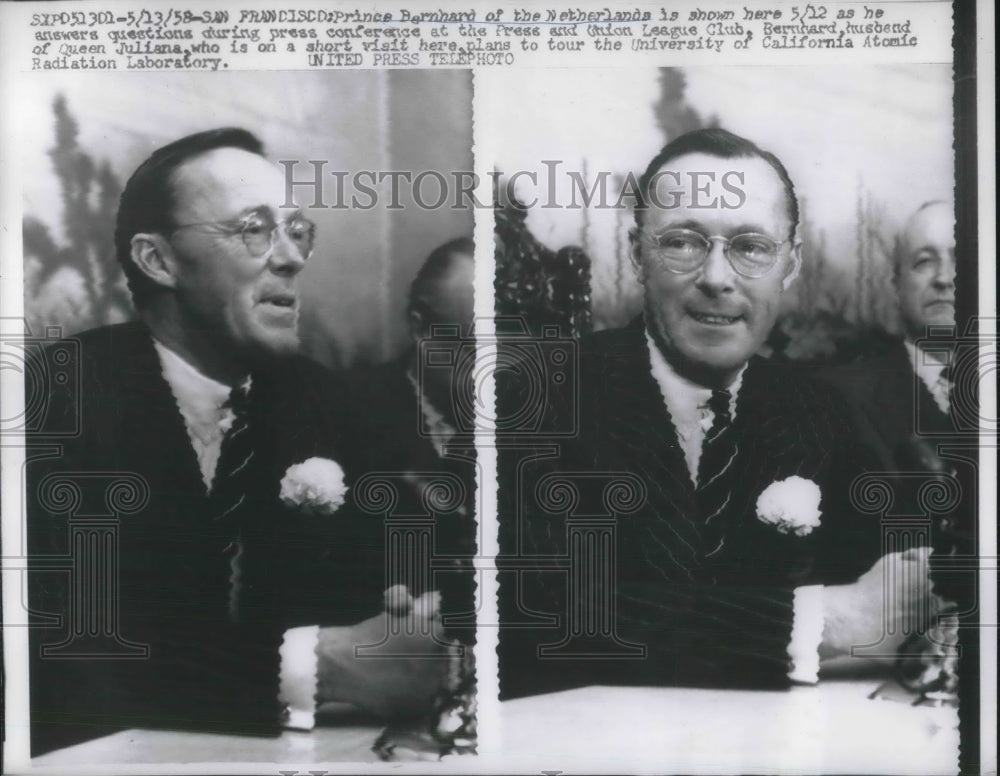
point(925, 276)
point(451, 305)
point(709, 321)
point(453, 302)
point(241, 307)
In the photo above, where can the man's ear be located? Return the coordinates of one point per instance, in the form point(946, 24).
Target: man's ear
point(154, 257)
point(635, 254)
point(792, 272)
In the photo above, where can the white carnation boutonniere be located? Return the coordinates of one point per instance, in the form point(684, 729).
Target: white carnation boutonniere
point(316, 486)
point(790, 505)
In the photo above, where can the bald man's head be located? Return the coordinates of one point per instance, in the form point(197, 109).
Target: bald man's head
point(925, 269)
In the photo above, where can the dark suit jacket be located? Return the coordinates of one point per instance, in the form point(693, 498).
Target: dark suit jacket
point(142, 614)
point(701, 615)
point(889, 404)
point(399, 452)
point(913, 442)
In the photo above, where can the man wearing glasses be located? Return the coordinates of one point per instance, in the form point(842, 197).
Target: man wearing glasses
point(741, 559)
point(238, 577)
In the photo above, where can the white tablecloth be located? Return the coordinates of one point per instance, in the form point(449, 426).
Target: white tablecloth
point(830, 728)
point(294, 749)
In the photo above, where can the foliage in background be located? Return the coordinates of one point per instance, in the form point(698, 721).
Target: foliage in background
point(840, 309)
point(539, 286)
point(75, 283)
point(673, 115)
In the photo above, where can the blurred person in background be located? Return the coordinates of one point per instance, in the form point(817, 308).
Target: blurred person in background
point(901, 403)
point(909, 379)
point(419, 428)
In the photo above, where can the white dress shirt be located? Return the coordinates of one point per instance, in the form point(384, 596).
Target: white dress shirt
point(687, 403)
point(200, 400)
point(929, 369)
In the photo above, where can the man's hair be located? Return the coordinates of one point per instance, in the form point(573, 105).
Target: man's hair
point(722, 144)
point(147, 203)
point(436, 266)
point(900, 246)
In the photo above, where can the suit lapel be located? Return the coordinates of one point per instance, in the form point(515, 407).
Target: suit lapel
point(903, 405)
point(169, 550)
point(667, 533)
point(787, 428)
point(756, 422)
point(897, 395)
point(150, 424)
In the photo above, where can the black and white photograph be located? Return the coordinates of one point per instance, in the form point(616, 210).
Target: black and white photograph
point(736, 509)
point(248, 525)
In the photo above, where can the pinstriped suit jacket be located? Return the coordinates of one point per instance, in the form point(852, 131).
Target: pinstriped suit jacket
point(201, 672)
point(711, 602)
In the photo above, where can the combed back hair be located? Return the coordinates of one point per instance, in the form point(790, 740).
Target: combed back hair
point(147, 203)
point(423, 290)
point(722, 144)
point(900, 247)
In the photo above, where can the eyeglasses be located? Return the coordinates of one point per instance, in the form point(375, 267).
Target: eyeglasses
point(684, 250)
point(257, 229)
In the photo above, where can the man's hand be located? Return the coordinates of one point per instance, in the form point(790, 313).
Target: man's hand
point(389, 665)
point(888, 602)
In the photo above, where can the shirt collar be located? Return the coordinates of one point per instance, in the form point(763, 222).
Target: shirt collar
point(925, 363)
point(685, 399)
point(199, 397)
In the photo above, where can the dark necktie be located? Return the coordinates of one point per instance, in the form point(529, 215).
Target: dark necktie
point(718, 451)
point(231, 488)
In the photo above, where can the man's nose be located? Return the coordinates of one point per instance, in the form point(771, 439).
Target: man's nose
point(716, 274)
point(285, 257)
point(945, 275)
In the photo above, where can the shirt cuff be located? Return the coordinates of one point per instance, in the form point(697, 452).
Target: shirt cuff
point(807, 634)
point(297, 677)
